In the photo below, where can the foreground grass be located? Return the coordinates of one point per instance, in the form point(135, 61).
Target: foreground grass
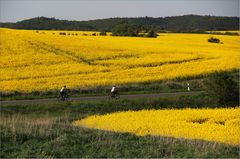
point(46, 131)
point(66, 141)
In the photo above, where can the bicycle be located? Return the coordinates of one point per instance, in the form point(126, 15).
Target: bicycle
point(114, 95)
point(63, 98)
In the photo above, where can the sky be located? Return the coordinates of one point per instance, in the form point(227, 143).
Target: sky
point(17, 10)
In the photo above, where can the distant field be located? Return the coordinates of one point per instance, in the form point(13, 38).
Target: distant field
point(45, 60)
point(225, 32)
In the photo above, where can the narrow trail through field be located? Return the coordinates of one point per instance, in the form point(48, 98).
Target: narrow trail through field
point(94, 98)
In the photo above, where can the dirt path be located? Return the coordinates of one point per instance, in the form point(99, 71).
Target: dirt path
point(94, 98)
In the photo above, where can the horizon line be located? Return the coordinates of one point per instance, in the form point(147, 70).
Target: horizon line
point(122, 17)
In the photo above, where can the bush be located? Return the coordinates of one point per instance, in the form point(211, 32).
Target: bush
point(103, 33)
point(213, 40)
point(151, 34)
point(62, 33)
point(223, 88)
point(231, 33)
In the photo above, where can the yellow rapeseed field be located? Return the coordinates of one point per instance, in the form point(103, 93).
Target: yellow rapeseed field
point(45, 60)
point(219, 125)
point(225, 31)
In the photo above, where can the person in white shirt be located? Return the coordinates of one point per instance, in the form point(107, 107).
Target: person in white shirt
point(114, 91)
point(63, 92)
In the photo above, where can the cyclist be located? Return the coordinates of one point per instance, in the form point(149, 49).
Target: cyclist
point(63, 92)
point(114, 92)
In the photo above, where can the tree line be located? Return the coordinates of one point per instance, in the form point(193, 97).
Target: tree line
point(186, 23)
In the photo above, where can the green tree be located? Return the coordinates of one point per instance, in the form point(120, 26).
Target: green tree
point(223, 88)
point(126, 29)
point(151, 34)
point(103, 33)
